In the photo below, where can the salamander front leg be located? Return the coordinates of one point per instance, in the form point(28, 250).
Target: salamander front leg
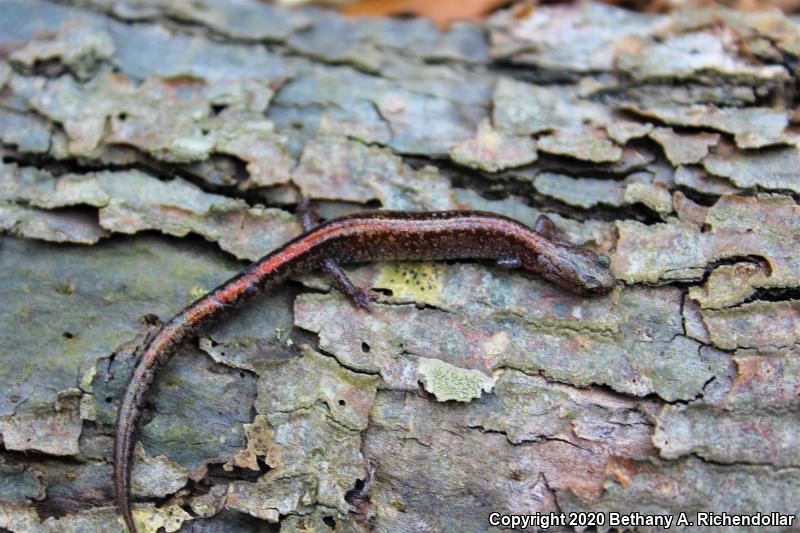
point(546, 228)
point(359, 296)
point(308, 214)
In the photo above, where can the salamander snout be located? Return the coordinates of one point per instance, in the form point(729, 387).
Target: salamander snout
point(593, 285)
point(576, 269)
point(595, 276)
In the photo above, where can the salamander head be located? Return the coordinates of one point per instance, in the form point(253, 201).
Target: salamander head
point(576, 269)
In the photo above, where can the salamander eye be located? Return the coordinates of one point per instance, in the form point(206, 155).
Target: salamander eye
point(604, 260)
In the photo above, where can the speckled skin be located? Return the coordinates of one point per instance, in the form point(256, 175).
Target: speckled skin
point(379, 235)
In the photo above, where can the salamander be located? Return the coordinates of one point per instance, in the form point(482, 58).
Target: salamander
point(359, 237)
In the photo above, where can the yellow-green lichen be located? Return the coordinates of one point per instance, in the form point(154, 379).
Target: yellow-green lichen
point(416, 281)
point(448, 382)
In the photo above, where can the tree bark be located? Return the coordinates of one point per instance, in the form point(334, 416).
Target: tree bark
point(151, 150)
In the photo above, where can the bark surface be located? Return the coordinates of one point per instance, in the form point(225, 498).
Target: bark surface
point(150, 149)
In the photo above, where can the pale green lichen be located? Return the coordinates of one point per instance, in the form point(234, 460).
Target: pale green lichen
point(448, 382)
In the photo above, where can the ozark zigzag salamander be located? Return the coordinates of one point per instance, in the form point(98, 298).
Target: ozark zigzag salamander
point(360, 237)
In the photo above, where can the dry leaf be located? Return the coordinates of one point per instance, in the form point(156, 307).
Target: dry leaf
point(441, 12)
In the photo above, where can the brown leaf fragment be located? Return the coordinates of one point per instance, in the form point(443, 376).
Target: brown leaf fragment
point(443, 13)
